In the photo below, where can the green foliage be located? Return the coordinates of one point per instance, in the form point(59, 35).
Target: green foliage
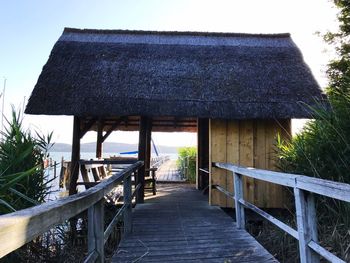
point(322, 149)
point(187, 162)
point(23, 181)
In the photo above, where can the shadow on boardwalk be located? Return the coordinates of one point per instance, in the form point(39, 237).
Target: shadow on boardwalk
point(178, 225)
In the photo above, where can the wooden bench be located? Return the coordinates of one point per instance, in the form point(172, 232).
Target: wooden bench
point(99, 172)
point(151, 180)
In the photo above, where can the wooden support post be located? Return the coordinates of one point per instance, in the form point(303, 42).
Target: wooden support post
point(238, 189)
point(142, 157)
point(99, 139)
point(128, 203)
point(154, 187)
point(148, 144)
point(96, 230)
point(307, 225)
point(202, 178)
point(75, 156)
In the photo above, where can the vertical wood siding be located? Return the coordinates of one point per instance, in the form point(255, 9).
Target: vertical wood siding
point(249, 143)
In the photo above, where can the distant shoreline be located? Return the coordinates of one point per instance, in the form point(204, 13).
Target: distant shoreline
point(112, 147)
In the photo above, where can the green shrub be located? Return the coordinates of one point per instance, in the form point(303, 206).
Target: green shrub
point(23, 181)
point(187, 162)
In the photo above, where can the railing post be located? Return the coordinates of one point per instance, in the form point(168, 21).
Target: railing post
point(307, 225)
point(96, 230)
point(154, 189)
point(128, 203)
point(238, 189)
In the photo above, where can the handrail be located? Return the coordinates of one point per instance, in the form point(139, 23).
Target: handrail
point(18, 228)
point(158, 161)
point(324, 187)
point(109, 161)
point(304, 189)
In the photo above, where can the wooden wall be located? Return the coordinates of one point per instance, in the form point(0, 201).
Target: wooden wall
point(248, 143)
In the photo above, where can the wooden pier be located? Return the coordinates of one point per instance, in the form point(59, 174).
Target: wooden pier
point(168, 172)
point(179, 225)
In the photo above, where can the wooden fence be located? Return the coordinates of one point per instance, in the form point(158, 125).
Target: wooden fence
point(18, 228)
point(304, 188)
point(156, 162)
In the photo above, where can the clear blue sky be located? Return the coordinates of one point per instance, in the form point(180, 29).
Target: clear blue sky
point(29, 29)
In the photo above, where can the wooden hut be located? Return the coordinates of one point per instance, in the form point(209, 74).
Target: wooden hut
point(236, 90)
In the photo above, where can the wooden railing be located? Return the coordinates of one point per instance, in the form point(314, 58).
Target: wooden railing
point(18, 228)
point(304, 188)
point(159, 160)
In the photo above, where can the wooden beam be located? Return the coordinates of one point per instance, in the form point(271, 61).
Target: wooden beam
point(99, 141)
point(75, 156)
point(18, 228)
point(148, 144)
point(202, 153)
point(87, 127)
point(142, 156)
point(113, 127)
point(96, 230)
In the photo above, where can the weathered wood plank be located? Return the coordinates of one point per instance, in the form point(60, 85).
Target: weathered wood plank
point(18, 228)
point(179, 229)
point(340, 191)
point(99, 140)
point(218, 133)
point(325, 253)
point(246, 156)
point(274, 199)
point(232, 153)
point(268, 176)
point(142, 153)
point(307, 226)
point(74, 173)
point(261, 193)
point(96, 230)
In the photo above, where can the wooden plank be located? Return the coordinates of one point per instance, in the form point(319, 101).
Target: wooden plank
point(340, 191)
point(112, 128)
point(148, 146)
point(323, 187)
point(246, 155)
point(18, 228)
point(186, 230)
point(307, 225)
point(240, 215)
point(232, 153)
point(87, 127)
point(274, 200)
point(203, 153)
point(284, 179)
point(96, 230)
point(325, 253)
point(128, 205)
point(210, 163)
point(99, 140)
point(270, 218)
point(261, 188)
point(218, 154)
point(112, 160)
point(96, 174)
point(85, 176)
point(140, 179)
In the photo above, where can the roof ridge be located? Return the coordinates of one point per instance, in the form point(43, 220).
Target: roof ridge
point(177, 33)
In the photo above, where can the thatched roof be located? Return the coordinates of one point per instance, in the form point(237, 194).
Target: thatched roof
point(105, 73)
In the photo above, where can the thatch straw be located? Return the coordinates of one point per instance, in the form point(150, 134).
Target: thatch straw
point(182, 74)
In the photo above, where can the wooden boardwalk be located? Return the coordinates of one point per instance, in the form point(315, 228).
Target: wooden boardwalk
point(178, 225)
point(168, 172)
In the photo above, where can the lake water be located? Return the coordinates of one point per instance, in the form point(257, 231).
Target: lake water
point(57, 156)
